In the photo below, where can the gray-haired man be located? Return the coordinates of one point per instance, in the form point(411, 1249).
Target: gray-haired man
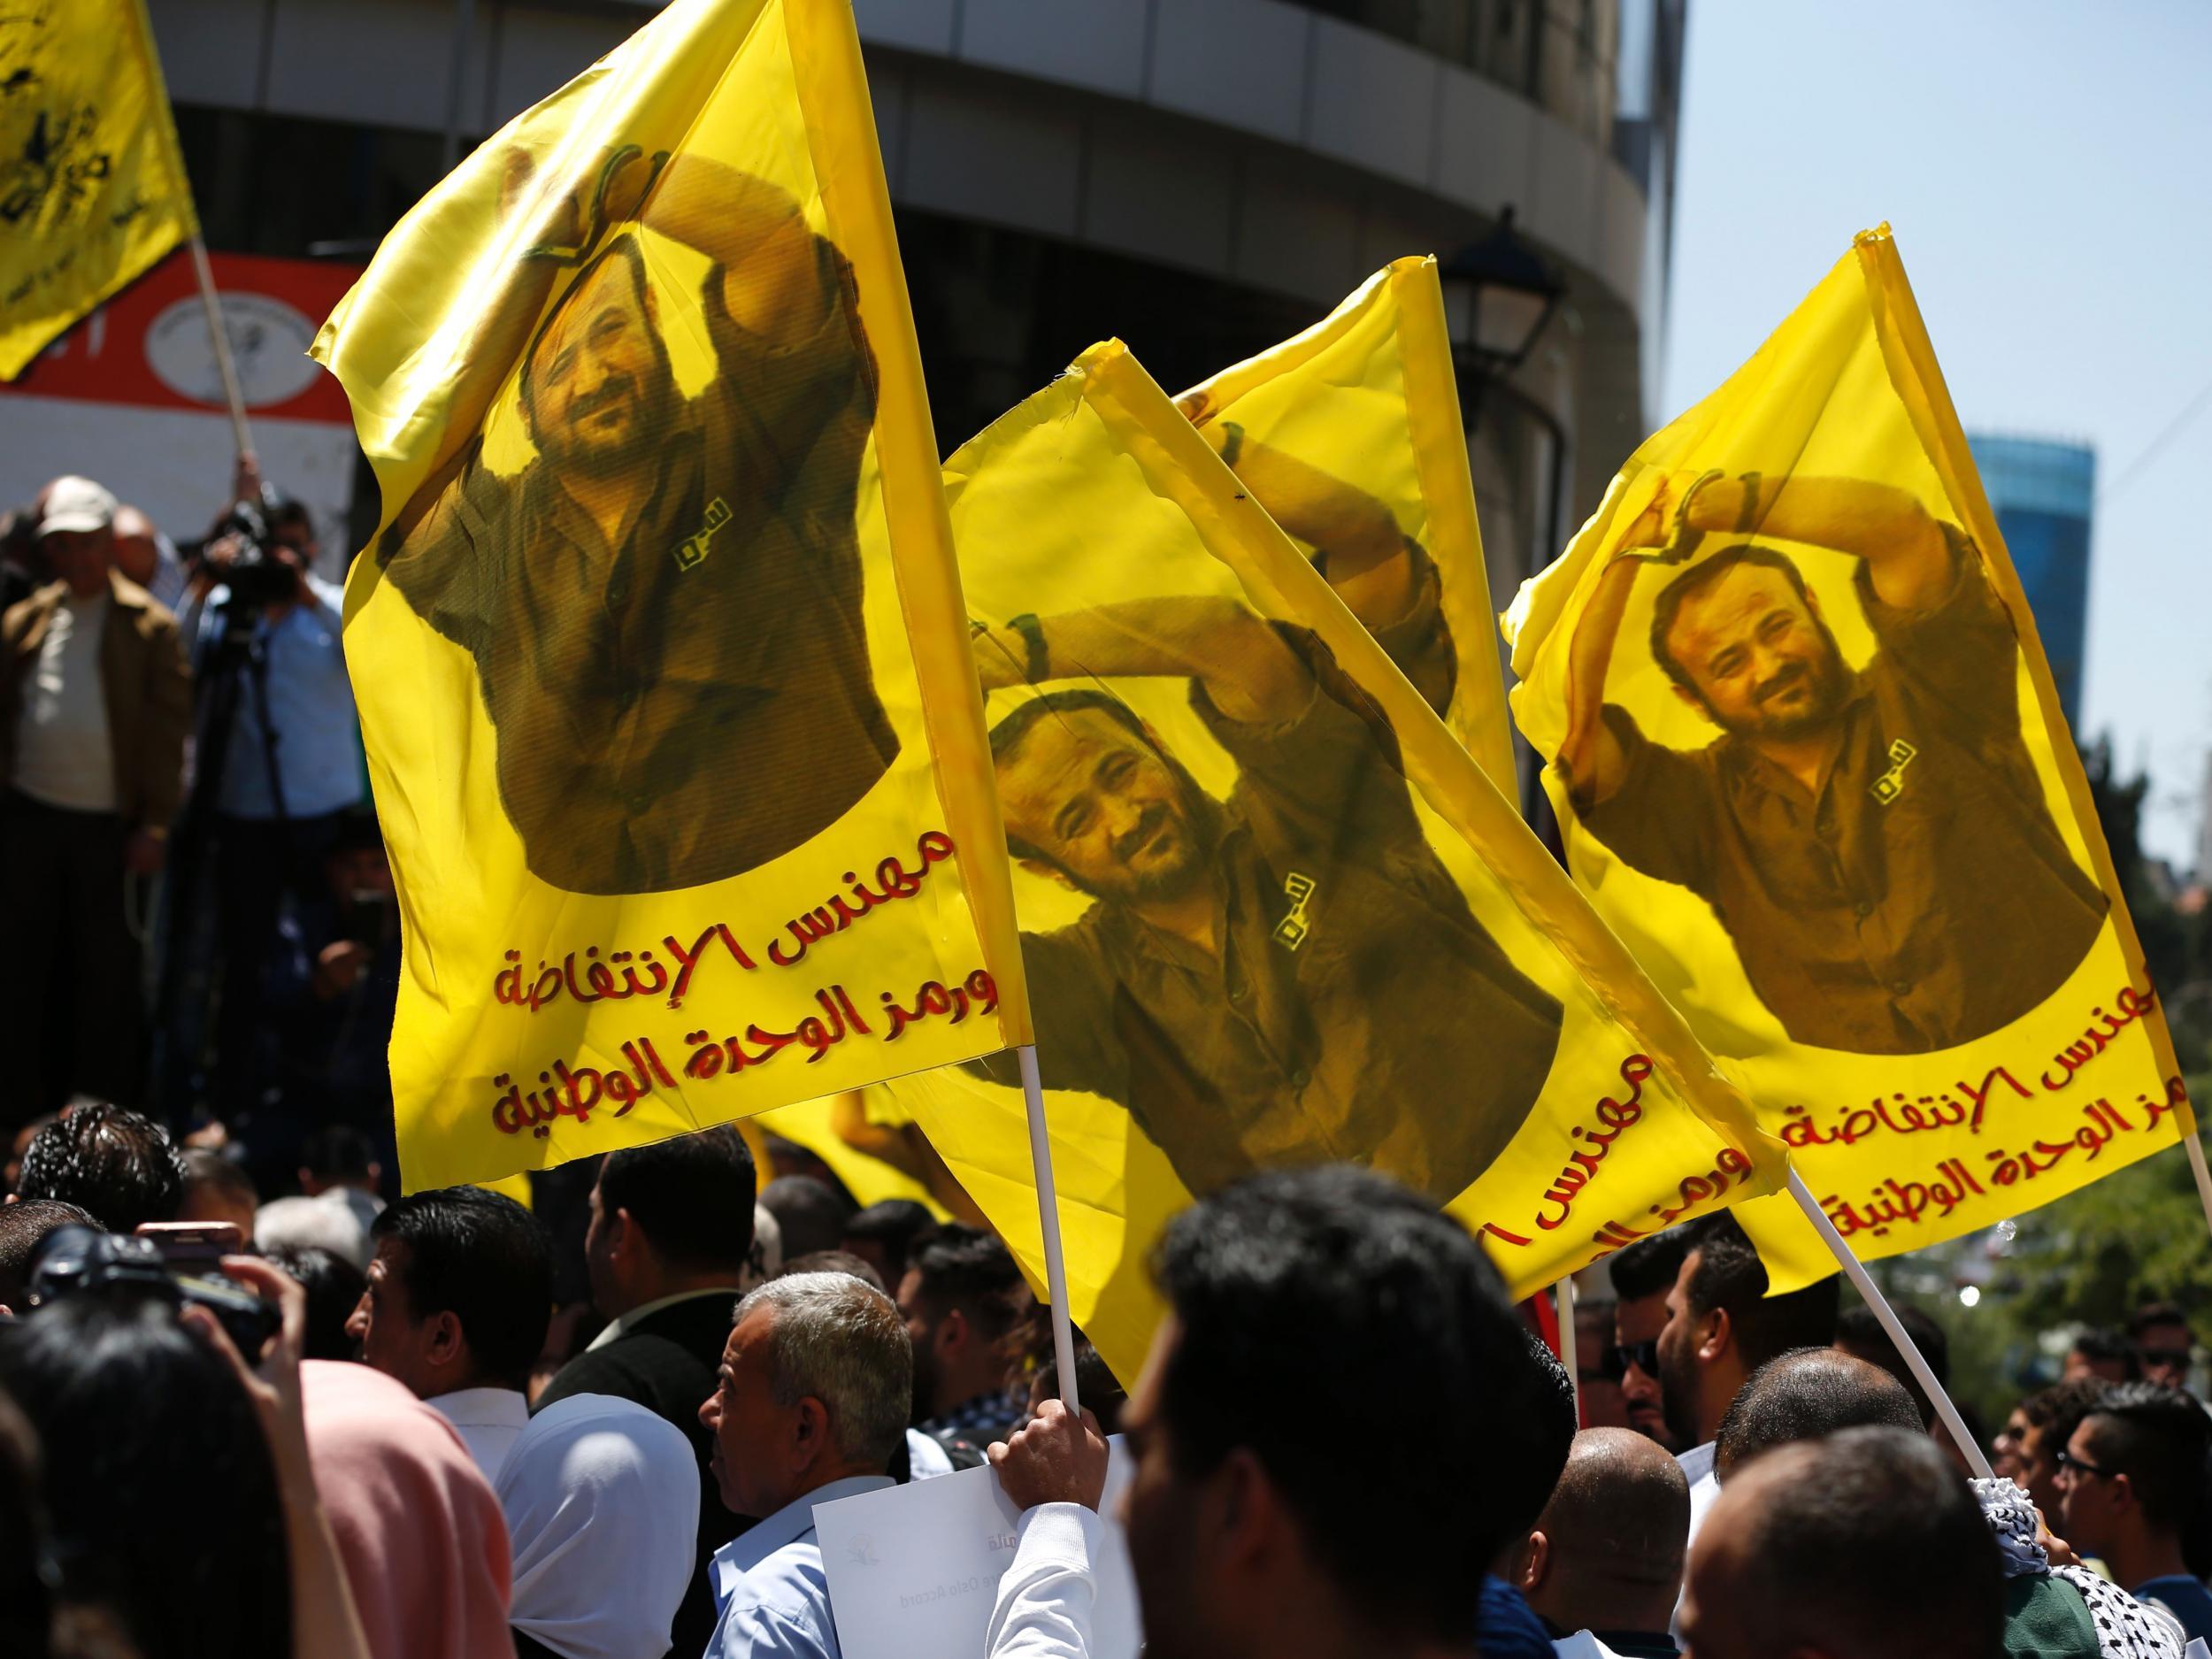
point(810, 1405)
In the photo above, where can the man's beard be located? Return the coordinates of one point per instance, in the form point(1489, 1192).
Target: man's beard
point(1828, 684)
point(1163, 879)
point(571, 445)
point(1677, 1400)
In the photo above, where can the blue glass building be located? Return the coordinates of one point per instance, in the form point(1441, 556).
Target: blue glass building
point(2043, 493)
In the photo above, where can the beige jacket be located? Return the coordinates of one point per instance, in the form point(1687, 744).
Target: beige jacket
point(149, 692)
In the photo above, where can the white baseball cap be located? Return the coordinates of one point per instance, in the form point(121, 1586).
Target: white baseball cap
point(76, 504)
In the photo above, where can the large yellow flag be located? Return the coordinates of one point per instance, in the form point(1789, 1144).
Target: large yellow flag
point(1368, 392)
point(93, 190)
point(659, 648)
point(1274, 912)
point(1809, 763)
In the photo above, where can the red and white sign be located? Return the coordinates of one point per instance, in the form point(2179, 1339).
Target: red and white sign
point(131, 397)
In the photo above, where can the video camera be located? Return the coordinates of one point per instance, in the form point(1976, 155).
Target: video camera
point(257, 577)
point(79, 1261)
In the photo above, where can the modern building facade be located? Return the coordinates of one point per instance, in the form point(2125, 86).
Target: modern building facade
point(2043, 492)
point(1199, 177)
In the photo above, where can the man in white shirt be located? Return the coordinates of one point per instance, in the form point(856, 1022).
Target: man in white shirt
point(810, 1405)
point(459, 1294)
point(94, 702)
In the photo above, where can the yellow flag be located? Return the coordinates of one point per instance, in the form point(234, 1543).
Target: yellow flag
point(1368, 393)
point(1809, 763)
point(93, 191)
point(824, 1127)
point(1274, 912)
point(659, 648)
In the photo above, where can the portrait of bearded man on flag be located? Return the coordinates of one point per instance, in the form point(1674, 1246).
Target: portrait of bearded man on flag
point(1875, 841)
point(664, 605)
point(1288, 973)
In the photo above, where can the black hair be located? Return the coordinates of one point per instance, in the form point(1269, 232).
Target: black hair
point(483, 1257)
point(334, 1287)
point(628, 248)
point(2102, 1344)
point(2152, 1314)
point(1095, 1385)
point(970, 1270)
point(1695, 580)
point(120, 1166)
point(1525, 1470)
point(337, 1152)
point(24, 1226)
point(1871, 1543)
point(1730, 1276)
point(1808, 1395)
point(26, 1562)
point(1363, 1292)
point(2058, 1411)
point(2160, 1440)
point(159, 1483)
point(1649, 1266)
point(810, 1214)
point(693, 1196)
point(1859, 1329)
point(894, 1224)
point(203, 1168)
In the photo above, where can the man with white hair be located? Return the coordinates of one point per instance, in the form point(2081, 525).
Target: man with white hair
point(810, 1405)
point(94, 702)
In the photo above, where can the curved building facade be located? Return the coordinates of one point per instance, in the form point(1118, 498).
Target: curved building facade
point(1199, 177)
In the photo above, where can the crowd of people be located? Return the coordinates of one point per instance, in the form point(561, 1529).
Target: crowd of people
point(196, 896)
point(597, 1426)
point(253, 1401)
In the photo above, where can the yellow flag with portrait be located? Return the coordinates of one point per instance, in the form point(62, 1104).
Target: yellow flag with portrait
point(1368, 392)
point(659, 648)
point(1809, 762)
point(93, 190)
point(1274, 912)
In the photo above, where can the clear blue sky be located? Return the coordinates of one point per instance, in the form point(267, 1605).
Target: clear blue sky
point(2048, 170)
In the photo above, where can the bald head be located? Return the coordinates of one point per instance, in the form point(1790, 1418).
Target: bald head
point(1804, 1396)
point(1866, 1545)
point(1612, 1537)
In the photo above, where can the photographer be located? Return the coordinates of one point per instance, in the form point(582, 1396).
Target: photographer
point(177, 1475)
point(280, 758)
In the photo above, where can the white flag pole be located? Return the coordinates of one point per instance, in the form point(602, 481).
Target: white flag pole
point(220, 341)
point(1563, 1300)
point(1914, 1359)
point(1049, 1217)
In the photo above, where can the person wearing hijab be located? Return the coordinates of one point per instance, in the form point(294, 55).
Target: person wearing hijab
point(419, 1531)
point(601, 1501)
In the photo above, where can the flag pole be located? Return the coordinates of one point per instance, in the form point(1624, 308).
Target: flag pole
point(1914, 1360)
point(1564, 1301)
point(219, 338)
point(2195, 1148)
point(1049, 1217)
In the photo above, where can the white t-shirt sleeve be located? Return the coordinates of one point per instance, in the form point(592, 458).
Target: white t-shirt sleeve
point(1044, 1602)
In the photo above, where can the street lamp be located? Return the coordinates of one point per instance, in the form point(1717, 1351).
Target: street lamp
point(1499, 294)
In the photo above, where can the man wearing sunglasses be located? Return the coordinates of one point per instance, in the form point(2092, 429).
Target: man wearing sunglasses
point(2133, 1483)
point(2165, 1343)
point(1642, 1275)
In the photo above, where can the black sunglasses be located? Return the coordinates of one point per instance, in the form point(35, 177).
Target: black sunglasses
point(2067, 1460)
point(1643, 1357)
point(2176, 1356)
